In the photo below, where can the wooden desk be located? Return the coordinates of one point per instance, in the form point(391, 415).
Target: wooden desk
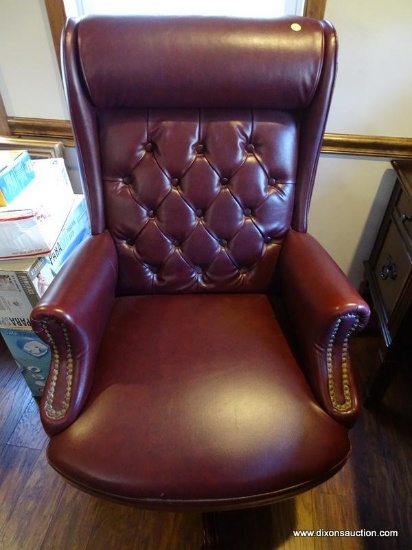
point(388, 280)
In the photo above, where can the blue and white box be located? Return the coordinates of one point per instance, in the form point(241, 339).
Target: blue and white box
point(32, 356)
point(16, 172)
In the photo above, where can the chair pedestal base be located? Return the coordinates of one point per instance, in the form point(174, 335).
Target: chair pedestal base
point(210, 531)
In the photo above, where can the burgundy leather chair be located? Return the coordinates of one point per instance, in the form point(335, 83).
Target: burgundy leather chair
point(200, 336)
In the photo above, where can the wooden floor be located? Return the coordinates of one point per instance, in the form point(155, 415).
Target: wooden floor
point(39, 511)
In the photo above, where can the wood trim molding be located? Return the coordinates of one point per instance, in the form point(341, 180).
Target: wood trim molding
point(57, 17)
point(42, 128)
point(362, 145)
point(338, 144)
point(4, 126)
point(315, 9)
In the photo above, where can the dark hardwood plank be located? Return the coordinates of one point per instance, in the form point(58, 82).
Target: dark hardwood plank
point(34, 508)
point(73, 521)
point(382, 478)
point(16, 465)
point(335, 513)
point(118, 526)
point(14, 398)
point(342, 483)
point(287, 519)
point(269, 527)
point(29, 431)
point(7, 366)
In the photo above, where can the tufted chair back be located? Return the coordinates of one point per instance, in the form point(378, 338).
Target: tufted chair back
point(199, 146)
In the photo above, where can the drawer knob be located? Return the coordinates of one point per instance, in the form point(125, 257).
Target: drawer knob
point(406, 218)
point(389, 270)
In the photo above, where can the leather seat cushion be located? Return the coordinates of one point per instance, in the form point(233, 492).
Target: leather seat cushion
point(213, 412)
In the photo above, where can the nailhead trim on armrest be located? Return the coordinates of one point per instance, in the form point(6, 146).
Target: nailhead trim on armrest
point(347, 404)
point(50, 407)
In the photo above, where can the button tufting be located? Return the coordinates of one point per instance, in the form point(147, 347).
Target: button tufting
point(267, 239)
point(130, 241)
point(199, 212)
point(150, 213)
point(175, 182)
point(154, 269)
point(224, 181)
point(149, 146)
point(247, 211)
point(127, 180)
point(176, 243)
point(198, 269)
point(272, 181)
point(250, 147)
point(200, 148)
point(223, 242)
point(243, 270)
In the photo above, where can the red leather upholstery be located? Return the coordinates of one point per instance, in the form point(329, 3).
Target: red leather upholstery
point(207, 423)
point(182, 211)
point(200, 336)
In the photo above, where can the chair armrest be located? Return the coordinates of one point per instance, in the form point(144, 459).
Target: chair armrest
point(71, 317)
point(324, 311)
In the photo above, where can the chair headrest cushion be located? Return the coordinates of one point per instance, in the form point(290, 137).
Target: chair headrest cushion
point(133, 61)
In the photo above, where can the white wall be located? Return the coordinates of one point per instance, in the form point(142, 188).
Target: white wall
point(373, 89)
point(264, 8)
point(30, 81)
point(348, 203)
point(372, 96)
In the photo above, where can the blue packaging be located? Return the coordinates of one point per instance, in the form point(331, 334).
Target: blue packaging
point(32, 356)
point(16, 172)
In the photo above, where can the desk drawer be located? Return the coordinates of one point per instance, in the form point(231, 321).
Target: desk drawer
point(392, 268)
point(404, 211)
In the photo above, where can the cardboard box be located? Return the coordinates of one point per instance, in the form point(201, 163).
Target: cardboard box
point(16, 172)
point(24, 281)
point(75, 230)
point(32, 356)
point(32, 222)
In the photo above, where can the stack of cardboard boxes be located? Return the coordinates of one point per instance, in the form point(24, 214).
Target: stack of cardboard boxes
point(41, 222)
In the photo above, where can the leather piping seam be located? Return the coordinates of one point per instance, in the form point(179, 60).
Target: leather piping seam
point(347, 403)
point(49, 407)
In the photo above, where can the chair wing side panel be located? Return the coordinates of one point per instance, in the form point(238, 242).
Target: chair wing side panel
point(312, 129)
point(324, 311)
point(84, 124)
